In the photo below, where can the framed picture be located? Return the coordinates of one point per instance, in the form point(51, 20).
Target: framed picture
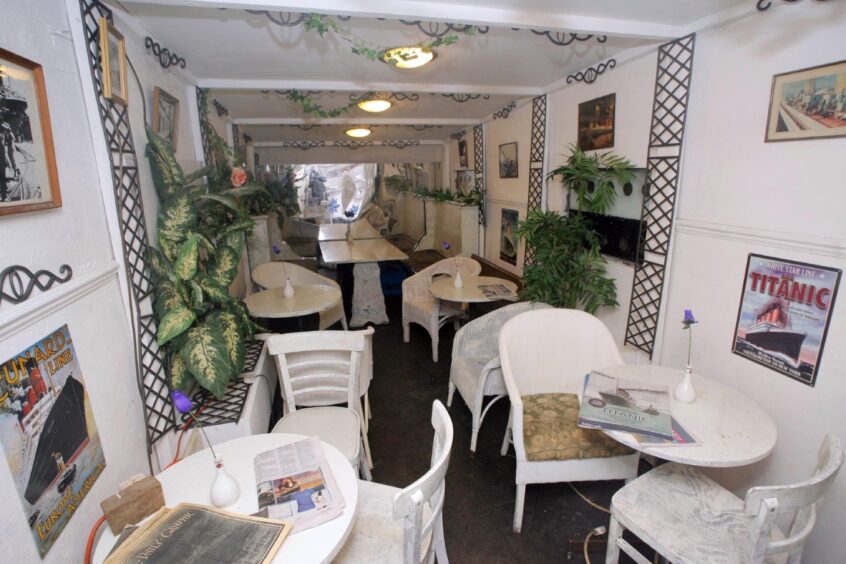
point(784, 314)
point(465, 181)
point(808, 104)
point(596, 123)
point(508, 160)
point(508, 236)
point(462, 154)
point(165, 115)
point(28, 177)
point(113, 62)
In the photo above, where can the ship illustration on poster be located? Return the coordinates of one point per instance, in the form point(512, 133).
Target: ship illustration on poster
point(784, 315)
point(48, 434)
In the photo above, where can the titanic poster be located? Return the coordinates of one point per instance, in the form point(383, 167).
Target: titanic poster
point(784, 313)
point(48, 434)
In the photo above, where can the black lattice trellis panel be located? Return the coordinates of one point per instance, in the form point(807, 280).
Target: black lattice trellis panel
point(537, 153)
point(202, 102)
point(220, 411)
point(149, 361)
point(669, 111)
point(479, 166)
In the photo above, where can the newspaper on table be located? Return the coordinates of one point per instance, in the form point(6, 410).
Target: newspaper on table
point(681, 437)
point(496, 291)
point(294, 482)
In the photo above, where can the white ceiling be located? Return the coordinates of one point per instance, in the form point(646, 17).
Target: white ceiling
point(244, 57)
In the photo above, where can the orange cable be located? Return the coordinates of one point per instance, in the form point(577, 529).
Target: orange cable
point(90, 546)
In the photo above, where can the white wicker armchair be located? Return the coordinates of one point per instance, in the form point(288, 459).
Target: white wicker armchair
point(419, 306)
point(475, 370)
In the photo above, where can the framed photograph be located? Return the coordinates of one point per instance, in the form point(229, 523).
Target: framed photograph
point(508, 160)
point(113, 62)
point(808, 104)
point(508, 236)
point(784, 314)
point(465, 181)
point(462, 154)
point(165, 115)
point(596, 123)
point(29, 180)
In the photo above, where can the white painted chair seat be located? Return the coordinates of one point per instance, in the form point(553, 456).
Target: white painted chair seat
point(709, 520)
point(338, 426)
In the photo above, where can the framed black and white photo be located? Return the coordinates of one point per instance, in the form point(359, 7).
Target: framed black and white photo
point(596, 123)
point(462, 154)
point(508, 160)
point(28, 177)
point(165, 115)
point(113, 62)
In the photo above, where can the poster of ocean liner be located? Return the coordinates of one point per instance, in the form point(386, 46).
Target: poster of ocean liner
point(49, 437)
point(784, 314)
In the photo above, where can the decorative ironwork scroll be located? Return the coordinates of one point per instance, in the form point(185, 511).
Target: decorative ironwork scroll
point(400, 143)
point(479, 166)
point(563, 38)
point(436, 30)
point(505, 111)
point(399, 96)
point(17, 282)
point(149, 361)
point(303, 145)
point(283, 19)
point(669, 113)
point(353, 144)
point(461, 98)
point(764, 5)
point(537, 160)
point(590, 74)
point(458, 135)
point(166, 58)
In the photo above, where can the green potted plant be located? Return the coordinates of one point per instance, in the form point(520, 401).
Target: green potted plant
point(569, 269)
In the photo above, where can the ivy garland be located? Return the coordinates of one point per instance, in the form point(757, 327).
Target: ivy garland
point(311, 107)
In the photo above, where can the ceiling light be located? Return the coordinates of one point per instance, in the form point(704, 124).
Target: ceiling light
point(408, 57)
point(358, 132)
point(374, 105)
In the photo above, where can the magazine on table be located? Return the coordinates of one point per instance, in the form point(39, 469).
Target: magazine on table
point(681, 437)
point(496, 291)
point(623, 404)
point(294, 482)
point(198, 533)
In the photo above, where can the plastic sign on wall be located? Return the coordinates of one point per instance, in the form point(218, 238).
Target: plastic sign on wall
point(48, 433)
point(784, 315)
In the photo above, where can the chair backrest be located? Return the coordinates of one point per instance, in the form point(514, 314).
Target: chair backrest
point(319, 367)
point(416, 287)
point(551, 350)
point(272, 275)
point(801, 500)
point(428, 490)
point(480, 337)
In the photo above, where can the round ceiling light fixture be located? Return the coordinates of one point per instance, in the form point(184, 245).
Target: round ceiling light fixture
point(374, 105)
point(358, 132)
point(408, 57)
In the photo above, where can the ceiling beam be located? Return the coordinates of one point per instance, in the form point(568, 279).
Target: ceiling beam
point(351, 86)
point(357, 121)
point(269, 144)
point(446, 12)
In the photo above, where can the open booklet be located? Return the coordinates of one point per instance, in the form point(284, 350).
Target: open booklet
point(496, 291)
point(294, 482)
point(681, 437)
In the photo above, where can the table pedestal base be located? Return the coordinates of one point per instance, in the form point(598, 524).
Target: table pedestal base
point(368, 303)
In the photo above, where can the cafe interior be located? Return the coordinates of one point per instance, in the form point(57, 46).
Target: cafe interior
point(491, 281)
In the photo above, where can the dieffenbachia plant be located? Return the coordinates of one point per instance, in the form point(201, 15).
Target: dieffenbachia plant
point(202, 328)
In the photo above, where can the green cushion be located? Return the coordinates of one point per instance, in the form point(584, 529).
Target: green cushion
point(551, 431)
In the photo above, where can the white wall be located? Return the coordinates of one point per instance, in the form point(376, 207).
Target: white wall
point(91, 303)
point(740, 195)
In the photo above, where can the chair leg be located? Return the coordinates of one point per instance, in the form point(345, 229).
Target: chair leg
point(456, 324)
point(507, 439)
point(450, 393)
point(615, 531)
point(518, 507)
point(366, 444)
point(406, 331)
point(435, 349)
point(440, 542)
point(364, 464)
point(344, 322)
point(365, 420)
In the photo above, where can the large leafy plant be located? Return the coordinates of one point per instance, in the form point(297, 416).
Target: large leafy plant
point(280, 197)
point(569, 269)
point(201, 328)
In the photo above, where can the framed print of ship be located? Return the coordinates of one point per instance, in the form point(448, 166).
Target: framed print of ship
point(48, 434)
point(784, 313)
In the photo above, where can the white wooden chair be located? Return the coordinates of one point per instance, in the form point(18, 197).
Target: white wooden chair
point(272, 275)
point(475, 370)
point(323, 369)
point(548, 352)
point(419, 306)
point(404, 525)
point(688, 518)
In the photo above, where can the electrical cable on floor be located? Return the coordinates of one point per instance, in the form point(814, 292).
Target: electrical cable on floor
point(89, 546)
point(596, 531)
point(589, 501)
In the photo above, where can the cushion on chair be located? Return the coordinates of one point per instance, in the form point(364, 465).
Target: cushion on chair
point(687, 517)
point(338, 426)
point(551, 431)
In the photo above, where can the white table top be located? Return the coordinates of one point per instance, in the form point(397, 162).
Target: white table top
point(732, 430)
point(307, 298)
point(190, 480)
point(362, 250)
point(338, 231)
point(444, 289)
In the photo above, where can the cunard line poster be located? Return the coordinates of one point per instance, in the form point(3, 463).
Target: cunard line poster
point(784, 314)
point(48, 433)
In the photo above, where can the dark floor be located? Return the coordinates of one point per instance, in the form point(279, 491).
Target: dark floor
point(480, 488)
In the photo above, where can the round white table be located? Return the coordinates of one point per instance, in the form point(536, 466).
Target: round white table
point(731, 429)
point(444, 289)
point(307, 299)
point(190, 479)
